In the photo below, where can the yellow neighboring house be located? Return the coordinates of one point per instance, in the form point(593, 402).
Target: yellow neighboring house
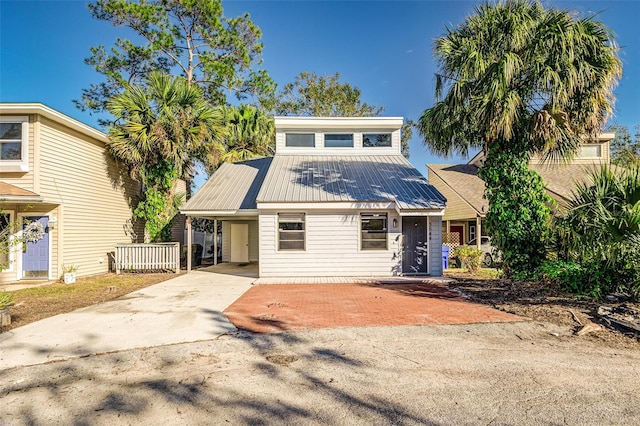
point(54, 170)
point(464, 190)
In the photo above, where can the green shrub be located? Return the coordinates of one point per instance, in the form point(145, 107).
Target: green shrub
point(568, 275)
point(595, 279)
point(470, 256)
point(6, 300)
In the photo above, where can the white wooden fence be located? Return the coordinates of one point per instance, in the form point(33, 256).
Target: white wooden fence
point(148, 257)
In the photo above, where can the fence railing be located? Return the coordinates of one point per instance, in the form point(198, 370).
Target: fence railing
point(148, 257)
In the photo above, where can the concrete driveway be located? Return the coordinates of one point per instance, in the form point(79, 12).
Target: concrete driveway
point(187, 308)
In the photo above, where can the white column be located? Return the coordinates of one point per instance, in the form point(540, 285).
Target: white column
point(478, 231)
point(188, 221)
point(215, 241)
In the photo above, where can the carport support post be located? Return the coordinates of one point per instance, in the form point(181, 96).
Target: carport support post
point(188, 244)
point(215, 241)
point(478, 232)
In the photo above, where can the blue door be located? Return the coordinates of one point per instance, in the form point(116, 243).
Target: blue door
point(35, 254)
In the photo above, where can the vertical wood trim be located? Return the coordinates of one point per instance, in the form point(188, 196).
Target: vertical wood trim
point(36, 154)
point(60, 228)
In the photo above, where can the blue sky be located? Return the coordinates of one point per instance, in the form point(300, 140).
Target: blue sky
point(382, 47)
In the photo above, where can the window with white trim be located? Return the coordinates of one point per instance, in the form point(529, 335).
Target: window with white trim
point(305, 140)
point(14, 148)
point(332, 140)
point(291, 231)
point(373, 230)
point(590, 151)
point(374, 140)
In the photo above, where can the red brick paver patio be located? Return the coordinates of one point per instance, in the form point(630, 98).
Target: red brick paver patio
point(273, 308)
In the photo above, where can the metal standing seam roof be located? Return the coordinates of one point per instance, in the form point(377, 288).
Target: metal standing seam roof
point(234, 186)
point(338, 178)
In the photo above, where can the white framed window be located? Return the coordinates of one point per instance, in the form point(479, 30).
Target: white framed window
point(373, 231)
point(472, 231)
point(291, 233)
point(14, 145)
point(590, 151)
point(374, 140)
point(7, 219)
point(303, 140)
point(335, 140)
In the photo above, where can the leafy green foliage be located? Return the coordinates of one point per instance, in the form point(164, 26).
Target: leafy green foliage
point(160, 205)
point(625, 149)
point(250, 133)
point(10, 239)
point(518, 80)
point(322, 96)
point(160, 129)
point(191, 38)
point(470, 256)
point(325, 96)
point(518, 211)
point(6, 299)
point(602, 229)
point(566, 274)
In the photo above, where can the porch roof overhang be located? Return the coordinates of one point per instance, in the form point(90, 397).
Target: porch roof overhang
point(16, 195)
point(217, 214)
point(434, 212)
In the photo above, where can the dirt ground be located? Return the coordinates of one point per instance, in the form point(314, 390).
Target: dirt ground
point(527, 373)
point(524, 373)
point(539, 302)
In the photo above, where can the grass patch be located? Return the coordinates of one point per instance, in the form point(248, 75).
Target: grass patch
point(490, 273)
point(36, 303)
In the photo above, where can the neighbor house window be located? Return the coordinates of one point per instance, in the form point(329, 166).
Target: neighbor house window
point(370, 140)
point(373, 231)
point(307, 140)
point(338, 141)
point(291, 231)
point(13, 144)
point(590, 151)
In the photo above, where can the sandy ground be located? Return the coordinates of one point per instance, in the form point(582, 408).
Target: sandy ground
point(509, 373)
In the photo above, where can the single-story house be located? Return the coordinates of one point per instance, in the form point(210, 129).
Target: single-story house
point(464, 190)
point(54, 170)
point(337, 199)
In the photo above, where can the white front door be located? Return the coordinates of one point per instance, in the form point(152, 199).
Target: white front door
point(239, 242)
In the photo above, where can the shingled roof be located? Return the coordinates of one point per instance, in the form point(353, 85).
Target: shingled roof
point(560, 180)
point(14, 193)
point(463, 179)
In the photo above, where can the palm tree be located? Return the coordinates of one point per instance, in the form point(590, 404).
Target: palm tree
point(515, 80)
point(602, 225)
point(167, 120)
point(160, 130)
point(250, 134)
